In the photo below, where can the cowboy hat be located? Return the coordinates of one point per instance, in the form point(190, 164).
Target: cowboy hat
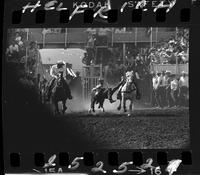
point(100, 79)
point(168, 72)
point(158, 73)
point(183, 72)
point(60, 62)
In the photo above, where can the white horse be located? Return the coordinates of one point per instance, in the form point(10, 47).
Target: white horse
point(129, 91)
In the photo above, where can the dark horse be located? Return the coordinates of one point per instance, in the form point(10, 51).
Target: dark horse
point(101, 97)
point(59, 93)
point(42, 89)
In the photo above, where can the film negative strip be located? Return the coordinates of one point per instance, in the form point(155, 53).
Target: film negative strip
point(100, 87)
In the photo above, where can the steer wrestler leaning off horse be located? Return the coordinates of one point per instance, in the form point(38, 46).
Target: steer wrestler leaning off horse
point(100, 92)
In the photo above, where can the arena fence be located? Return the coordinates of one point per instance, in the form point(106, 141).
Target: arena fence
point(174, 68)
point(91, 74)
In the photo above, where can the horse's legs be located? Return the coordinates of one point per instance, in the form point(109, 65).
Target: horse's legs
point(92, 104)
point(64, 106)
point(103, 109)
point(101, 105)
point(56, 107)
point(131, 105)
point(124, 102)
point(120, 104)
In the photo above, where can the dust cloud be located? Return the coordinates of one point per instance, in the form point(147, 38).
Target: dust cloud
point(77, 104)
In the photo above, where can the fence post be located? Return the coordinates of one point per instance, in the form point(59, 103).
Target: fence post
point(112, 37)
point(177, 67)
point(156, 34)
point(26, 56)
point(136, 32)
point(124, 52)
point(43, 39)
point(66, 35)
point(151, 37)
point(101, 70)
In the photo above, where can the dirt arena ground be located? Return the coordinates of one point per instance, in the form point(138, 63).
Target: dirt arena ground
point(143, 129)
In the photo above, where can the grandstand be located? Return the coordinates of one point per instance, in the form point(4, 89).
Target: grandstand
point(77, 37)
point(122, 38)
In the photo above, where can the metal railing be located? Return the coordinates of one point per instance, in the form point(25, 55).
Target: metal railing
point(91, 74)
point(174, 68)
point(81, 37)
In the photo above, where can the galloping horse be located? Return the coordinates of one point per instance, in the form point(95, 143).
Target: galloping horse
point(59, 94)
point(42, 89)
point(129, 91)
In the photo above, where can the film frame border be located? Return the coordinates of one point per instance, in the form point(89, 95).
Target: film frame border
point(190, 23)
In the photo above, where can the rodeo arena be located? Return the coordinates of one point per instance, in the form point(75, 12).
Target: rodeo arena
point(122, 86)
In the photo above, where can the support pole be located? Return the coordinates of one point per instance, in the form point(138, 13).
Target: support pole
point(177, 66)
point(26, 56)
point(176, 37)
point(151, 37)
point(112, 37)
point(136, 32)
point(124, 53)
point(156, 34)
point(176, 34)
point(66, 35)
point(43, 40)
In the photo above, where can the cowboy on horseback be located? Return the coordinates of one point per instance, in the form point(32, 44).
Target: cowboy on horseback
point(99, 94)
point(57, 70)
point(129, 79)
point(128, 91)
point(100, 88)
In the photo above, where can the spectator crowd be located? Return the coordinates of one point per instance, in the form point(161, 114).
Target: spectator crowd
point(176, 50)
point(22, 54)
point(170, 90)
point(16, 49)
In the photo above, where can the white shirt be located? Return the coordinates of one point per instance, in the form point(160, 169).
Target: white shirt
point(54, 71)
point(129, 76)
point(174, 84)
point(19, 40)
point(166, 81)
point(160, 81)
point(13, 48)
point(155, 82)
point(184, 81)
